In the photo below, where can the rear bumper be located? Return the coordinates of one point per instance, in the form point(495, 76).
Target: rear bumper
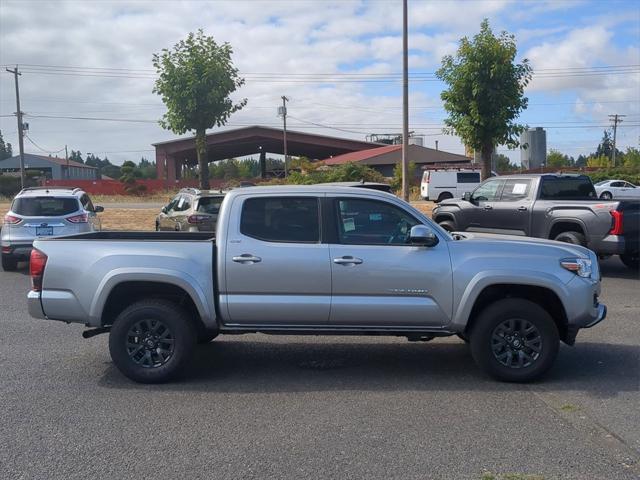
point(34, 305)
point(615, 245)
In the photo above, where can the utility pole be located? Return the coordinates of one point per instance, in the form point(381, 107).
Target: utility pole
point(283, 112)
point(405, 103)
point(16, 73)
point(66, 156)
point(616, 119)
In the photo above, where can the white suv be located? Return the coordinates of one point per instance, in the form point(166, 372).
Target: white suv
point(44, 211)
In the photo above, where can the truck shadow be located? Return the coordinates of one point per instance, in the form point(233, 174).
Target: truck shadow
point(614, 268)
point(241, 366)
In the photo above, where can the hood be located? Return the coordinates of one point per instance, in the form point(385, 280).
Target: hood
point(566, 249)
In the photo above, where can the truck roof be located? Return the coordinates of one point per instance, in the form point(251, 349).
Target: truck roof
point(287, 189)
point(539, 175)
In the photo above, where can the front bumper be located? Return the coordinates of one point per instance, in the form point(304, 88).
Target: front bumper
point(34, 305)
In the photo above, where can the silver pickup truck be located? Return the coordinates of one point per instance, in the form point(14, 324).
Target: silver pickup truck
point(318, 260)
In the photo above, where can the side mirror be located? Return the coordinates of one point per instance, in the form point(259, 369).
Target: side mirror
point(98, 209)
point(422, 236)
point(467, 196)
point(164, 210)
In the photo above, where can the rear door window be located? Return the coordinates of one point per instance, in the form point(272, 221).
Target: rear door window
point(281, 219)
point(515, 190)
point(44, 206)
point(567, 188)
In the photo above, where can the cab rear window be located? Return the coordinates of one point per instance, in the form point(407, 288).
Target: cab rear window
point(44, 206)
point(567, 188)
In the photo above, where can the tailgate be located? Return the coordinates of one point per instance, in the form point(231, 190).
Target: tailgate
point(631, 224)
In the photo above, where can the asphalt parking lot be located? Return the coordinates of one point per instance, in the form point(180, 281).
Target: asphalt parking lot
point(257, 406)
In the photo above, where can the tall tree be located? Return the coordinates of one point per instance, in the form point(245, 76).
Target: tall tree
point(557, 159)
point(485, 92)
point(195, 80)
point(5, 149)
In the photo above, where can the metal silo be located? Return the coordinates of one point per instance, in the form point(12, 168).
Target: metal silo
point(533, 149)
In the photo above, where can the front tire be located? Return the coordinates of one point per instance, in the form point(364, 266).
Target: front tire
point(152, 341)
point(514, 340)
point(448, 225)
point(9, 263)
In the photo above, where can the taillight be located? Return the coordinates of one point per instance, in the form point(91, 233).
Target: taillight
point(37, 263)
point(616, 228)
point(11, 220)
point(197, 219)
point(82, 218)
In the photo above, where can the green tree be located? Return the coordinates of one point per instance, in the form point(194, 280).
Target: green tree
point(396, 182)
point(129, 174)
point(76, 156)
point(5, 149)
point(632, 158)
point(598, 161)
point(195, 80)
point(485, 92)
point(557, 159)
point(503, 163)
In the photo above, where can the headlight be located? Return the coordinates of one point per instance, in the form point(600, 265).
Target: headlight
point(579, 266)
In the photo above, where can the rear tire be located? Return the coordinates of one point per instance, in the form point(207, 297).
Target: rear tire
point(514, 340)
point(152, 341)
point(606, 196)
point(448, 225)
point(631, 261)
point(576, 238)
point(444, 196)
point(9, 263)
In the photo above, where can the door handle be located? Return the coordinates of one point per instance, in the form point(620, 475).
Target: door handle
point(347, 260)
point(488, 207)
point(246, 258)
point(522, 209)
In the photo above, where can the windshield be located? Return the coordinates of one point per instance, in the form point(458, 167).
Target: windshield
point(209, 204)
point(44, 206)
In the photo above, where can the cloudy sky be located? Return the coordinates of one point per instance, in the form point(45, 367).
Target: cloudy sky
point(87, 72)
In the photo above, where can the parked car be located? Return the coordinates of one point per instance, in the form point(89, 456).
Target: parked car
point(318, 260)
point(439, 185)
point(560, 207)
point(609, 189)
point(192, 210)
point(45, 211)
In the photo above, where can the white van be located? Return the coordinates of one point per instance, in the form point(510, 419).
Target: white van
point(438, 185)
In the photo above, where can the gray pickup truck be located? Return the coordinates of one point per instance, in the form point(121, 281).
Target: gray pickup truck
point(318, 260)
point(560, 207)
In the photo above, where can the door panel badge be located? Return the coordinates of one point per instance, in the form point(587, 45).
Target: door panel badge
point(409, 291)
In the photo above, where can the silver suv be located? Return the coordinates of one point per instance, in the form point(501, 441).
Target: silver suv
point(43, 212)
point(192, 210)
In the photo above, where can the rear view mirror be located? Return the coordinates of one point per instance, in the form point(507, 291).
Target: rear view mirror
point(98, 209)
point(422, 236)
point(164, 210)
point(467, 196)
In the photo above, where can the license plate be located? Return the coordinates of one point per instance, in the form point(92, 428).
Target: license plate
point(44, 231)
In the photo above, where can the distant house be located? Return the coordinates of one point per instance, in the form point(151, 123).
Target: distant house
point(384, 159)
point(54, 168)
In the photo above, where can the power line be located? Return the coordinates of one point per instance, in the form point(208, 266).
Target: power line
point(43, 149)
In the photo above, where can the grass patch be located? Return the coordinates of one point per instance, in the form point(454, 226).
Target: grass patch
point(569, 408)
